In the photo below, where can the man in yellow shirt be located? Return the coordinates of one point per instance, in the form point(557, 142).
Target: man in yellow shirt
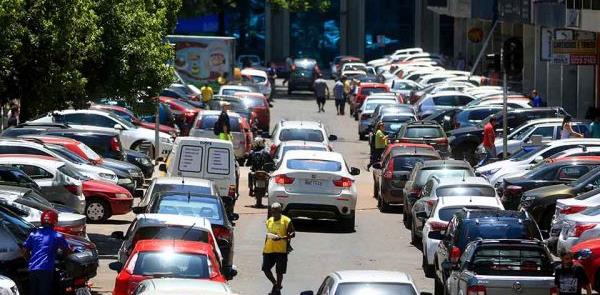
point(275, 253)
point(380, 143)
point(207, 93)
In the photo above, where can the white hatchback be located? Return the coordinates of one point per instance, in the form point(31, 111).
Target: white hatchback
point(315, 184)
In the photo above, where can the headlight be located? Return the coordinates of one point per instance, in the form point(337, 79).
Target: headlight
point(121, 196)
point(108, 176)
point(143, 161)
point(124, 181)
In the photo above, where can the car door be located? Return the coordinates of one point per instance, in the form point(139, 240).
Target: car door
point(547, 132)
point(326, 287)
point(46, 180)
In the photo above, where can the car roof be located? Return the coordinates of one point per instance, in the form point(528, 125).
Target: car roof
point(463, 181)
point(413, 150)
point(372, 85)
point(149, 219)
point(254, 72)
point(372, 276)
point(51, 139)
point(576, 159)
point(12, 191)
point(303, 143)
point(492, 213)
point(34, 159)
point(302, 124)
point(468, 201)
point(183, 180)
point(320, 155)
point(574, 140)
point(174, 245)
point(444, 163)
point(423, 123)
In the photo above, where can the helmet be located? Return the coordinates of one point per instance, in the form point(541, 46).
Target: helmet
point(49, 217)
point(259, 143)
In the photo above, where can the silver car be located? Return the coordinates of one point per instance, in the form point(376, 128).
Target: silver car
point(578, 228)
point(204, 127)
point(367, 282)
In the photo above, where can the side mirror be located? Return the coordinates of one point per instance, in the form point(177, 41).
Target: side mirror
point(307, 293)
point(118, 235)
point(538, 159)
point(162, 167)
point(435, 235)
point(422, 215)
point(377, 165)
point(116, 266)
point(138, 210)
point(354, 171)
point(118, 127)
point(333, 137)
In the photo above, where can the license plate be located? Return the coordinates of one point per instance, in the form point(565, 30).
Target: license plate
point(313, 182)
point(260, 184)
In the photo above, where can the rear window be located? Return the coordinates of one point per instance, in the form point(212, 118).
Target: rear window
point(170, 233)
point(259, 79)
point(194, 189)
point(447, 213)
point(314, 165)
point(424, 174)
point(374, 288)
point(176, 265)
point(301, 134)
point(303, 148)
point(372, 105)
point(370, 90)
point(194, 205)
point(511, 261)
point(424, 132)
point(208, 123)
point(407, 163)
point(497, 229)
point(457, 191)
point(253, 102)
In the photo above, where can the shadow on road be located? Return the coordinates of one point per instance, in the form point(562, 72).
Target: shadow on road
point(319, 226)
point(105, 244)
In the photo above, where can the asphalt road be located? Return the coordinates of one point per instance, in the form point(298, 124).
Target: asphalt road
point(379, 242)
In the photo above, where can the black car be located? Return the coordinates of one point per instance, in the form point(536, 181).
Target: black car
point(473, 116)
point(560, 172)
point(423, 132)
point(209, 206)
point(464, 141)
point(444, 117)
point(303, 74)
point(468, 225)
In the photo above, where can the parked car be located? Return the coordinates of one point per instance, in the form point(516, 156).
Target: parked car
point(382, 110)
point(579, 227)
point(170, 286)
point(260, 79)
point(502, 266)
point(554, 172)
point(469, 225)
point(444, 117)
point(375, 281)
point(393, 122)
point(204, 127)
point(424, 132)
point(391, 174)
point(293, 145)
point(325, 177)
point(303, 74)
point(365, 113)
point(473, 116)
point(587, 254)
point(362, 91)
point(299, 130)
point(403, 87)
point(188, 110)
point(421, 173)
point(128, 115)
point(189, 260)
point(567, 207)
point(441, 100)
point(259, 104)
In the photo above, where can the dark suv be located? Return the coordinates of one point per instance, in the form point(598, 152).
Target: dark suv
point(469, 225)
point(464, 141)
point(424, 132)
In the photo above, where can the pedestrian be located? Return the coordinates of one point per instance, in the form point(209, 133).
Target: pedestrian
point(222, 80)
point(207, 93)
point(489, 140)
point(40, 247)
point(595, 126)
point(570, 278)
point(280, 231)
point(223, 120)
point(536, 99)
point(289, 64)
point(13, 115)
point(271, 75)
point(321, 92)
point(381, 142)
point(340, 97)
point(567, 129)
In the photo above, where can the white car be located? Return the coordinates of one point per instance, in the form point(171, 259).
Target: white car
point(261, 79)
point(578, 228)
point(173, 286)
point(367, 282)
point(523, 159)
point(164, 227)
point(299, 130)
point(402, 86)
point(354, 66)
point(132, 137)
point(570, 206)
point(233, 89)
point(317, 185)
point(293, 145)
point(7, 286)
point(441, 214)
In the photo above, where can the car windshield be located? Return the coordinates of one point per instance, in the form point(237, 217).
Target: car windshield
point(526, 152)
point(122, 121)
point(169, 264)
point(424, 174)
point(233, 91)
point(462, 190)
point(424, 132)
point(181, 188)
point(511, 261)
point(89, 152)
point(189, 205)
point(170, 232)
point(497, 229)
point(207, 122)
point(67, 154)
point(407, 163)
point(32, 201)
point(314, 165)
point(447, 213)
point(259, 79)
point(521, 134)
point(73, 173)
point(301, 134)
point(375, 289)
point(253, 102)
point(302, 148)
point(369, 91)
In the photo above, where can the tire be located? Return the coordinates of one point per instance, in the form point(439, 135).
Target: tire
point(97, 210)
point(349, 223)
point(413, 235)
point(427, 269)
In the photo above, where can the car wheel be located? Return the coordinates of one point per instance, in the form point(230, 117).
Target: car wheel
point(97, 210)
point(349, 223)
point(438, 287)
point(427, 269)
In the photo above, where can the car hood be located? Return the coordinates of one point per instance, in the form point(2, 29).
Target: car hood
point(91, 185)
point(119, 171)
point(465, 130)
point(549, 190)
point(493, 166)
point(149, 134)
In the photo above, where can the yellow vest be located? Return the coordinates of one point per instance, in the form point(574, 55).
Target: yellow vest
point(279, 228)
point(380, 141)
point(225, 136)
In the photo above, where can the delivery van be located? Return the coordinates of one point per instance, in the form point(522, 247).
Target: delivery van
point(205, 158)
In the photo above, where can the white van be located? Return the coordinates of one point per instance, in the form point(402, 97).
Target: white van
point(206, 158)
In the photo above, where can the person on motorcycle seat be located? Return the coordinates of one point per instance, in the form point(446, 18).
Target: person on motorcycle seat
point(257, 160)
point(41, 247)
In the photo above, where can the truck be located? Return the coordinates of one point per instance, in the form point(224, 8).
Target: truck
point(202, 59)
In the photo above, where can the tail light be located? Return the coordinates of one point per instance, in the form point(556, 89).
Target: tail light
point(364, 116)
point(283, 179)
point(389, 171)
point(74, 189)
point(476, 290)
point(443, 141)
point(114, 145)
point(222, 233)
point(343, 182)
point(454, 254)
point(190, 115)
point(273, 149)
point(580, 229)
point(572, 209)
point(554, 291)
point(77, 230)
point(438, 225)
point(513, 189)
point(199, 122)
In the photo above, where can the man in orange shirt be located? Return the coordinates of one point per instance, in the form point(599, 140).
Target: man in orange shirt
point(489, 138)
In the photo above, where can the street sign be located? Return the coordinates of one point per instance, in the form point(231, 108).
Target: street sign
point(574, 47)
point(475, 35)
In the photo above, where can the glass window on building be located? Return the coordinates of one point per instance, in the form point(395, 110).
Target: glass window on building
point(389, 25)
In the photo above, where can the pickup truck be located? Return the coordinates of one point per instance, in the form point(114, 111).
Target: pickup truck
point(502, 267)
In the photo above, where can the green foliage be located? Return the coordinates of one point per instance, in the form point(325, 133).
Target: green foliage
point(192, 8)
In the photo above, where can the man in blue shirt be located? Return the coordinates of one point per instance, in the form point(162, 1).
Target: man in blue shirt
point(340, 98)
point(536, 99)
point(41, 247)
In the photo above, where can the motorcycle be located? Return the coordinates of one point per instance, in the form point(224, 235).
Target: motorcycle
point(261, 181)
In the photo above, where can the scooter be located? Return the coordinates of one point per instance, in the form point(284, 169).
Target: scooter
point(261, 181)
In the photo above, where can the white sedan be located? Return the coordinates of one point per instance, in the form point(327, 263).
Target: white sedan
point(315, 184)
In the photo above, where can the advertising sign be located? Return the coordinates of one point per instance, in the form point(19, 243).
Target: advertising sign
point(574, 47)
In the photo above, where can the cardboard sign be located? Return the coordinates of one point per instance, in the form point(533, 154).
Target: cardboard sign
point(191, 158)
point(218, 161)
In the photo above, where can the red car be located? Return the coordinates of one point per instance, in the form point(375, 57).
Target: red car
point(259, 105)
point(364, 90)
point(590, 261)
point(131, 117)
point(166, 258)
point(104, 199)
point(188, 112)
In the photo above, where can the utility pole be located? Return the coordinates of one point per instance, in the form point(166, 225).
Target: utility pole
point(157, 130)
point(504, 108)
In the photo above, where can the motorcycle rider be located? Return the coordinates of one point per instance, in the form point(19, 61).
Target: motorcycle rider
point(41, 247)
point(257, 160)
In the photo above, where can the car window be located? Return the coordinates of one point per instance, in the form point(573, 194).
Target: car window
point(188, 205)
point(314, 165)
point(462, 100)
point(424, 132)
point(8, 149)
point(424, 174)
point(170, 232)
point(444, 100)
point(34, 172)
point(207, 122)
point(511, 261)
point(493, 229)
point(374, 288)
point(98, 120)
point(177, 265)
point(182, 188)
point(301, 134)
point(371, 90)
point(406, 163)
point(572, 172)
point(555, 150)
point(547, 132)
point(254, 102)
point(302, 148)
point(471, 190)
